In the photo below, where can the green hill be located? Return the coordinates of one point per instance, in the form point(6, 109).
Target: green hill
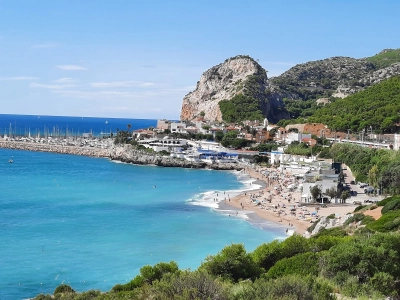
point(377, 106)
point(385, 58)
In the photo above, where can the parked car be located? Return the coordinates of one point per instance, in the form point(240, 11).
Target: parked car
point(361, 185)
point(369, 190)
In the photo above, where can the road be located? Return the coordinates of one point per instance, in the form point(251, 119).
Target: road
point(361, 196)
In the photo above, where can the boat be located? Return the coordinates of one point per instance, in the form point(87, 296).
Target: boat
point(10, 161)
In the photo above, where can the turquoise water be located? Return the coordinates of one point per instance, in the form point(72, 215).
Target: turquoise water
point(92, 223)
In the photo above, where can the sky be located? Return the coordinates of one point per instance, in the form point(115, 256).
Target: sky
point(138, 59)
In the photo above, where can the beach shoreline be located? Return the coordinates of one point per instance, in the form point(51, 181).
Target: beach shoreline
point(265, 203)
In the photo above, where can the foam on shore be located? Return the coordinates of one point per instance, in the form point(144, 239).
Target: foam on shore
point(219, 201)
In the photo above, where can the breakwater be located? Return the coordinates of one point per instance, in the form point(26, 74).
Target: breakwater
point(106, 149)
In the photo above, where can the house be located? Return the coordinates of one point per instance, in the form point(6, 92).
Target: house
point(163, 124)
point(296, 137)
point(178, 127)
point(262, 136)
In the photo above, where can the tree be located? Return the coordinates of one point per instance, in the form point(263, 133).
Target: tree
point(331, 192)
point(373, 176)
point(315, 191)
point(344, 196)
point(232, 263)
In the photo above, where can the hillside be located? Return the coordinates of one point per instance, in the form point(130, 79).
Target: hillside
point(238, 89)
point(234, 90)
point(385, 58)
point(336, 77)
point(377, 106)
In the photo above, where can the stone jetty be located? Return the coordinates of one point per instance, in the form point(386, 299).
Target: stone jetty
point(105, 148)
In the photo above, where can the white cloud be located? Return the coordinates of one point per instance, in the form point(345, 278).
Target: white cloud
point(50, 86)
point(45, 45)
point(64, 80)
point(120, 84)
point(72, 68)
point(19, 78)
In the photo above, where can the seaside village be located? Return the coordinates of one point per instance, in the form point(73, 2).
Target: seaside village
point(294, 190)
point(285, 195)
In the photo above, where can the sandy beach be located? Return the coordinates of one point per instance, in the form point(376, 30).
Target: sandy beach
point(276, 199)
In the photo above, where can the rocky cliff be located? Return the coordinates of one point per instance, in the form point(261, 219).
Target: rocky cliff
point(240, 75)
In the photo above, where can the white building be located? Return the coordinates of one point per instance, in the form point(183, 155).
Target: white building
point(178, 127)
point(296, 137)
point(167, 144)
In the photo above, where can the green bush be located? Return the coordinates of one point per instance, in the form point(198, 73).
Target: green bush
point(232, 263)
point(387, 200)
point(367, 220)
point(266, 255)
point(391, 205)
point(360, 207)
point(324, 242)
point(387, 222)
point(64, 288)
point(292, 287)
point(189, 285)
point(384, 283)
point(302, 264)
point(335, 231)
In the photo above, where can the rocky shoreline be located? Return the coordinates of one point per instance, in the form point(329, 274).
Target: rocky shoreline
point(118, 153)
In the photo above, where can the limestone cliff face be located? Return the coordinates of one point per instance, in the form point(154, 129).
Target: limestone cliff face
point(223, 82)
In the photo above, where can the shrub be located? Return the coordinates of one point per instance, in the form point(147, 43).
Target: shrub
point(387, 200)
point(232, 263)
point(266, 255)
point(360, 207)
point(64, 288)
point(189, 285)
point(384, 283)
point(363, 231)
point(336, 231)
point(388, 222)
point(391, 205)
point(366, 220)
point(302, 264)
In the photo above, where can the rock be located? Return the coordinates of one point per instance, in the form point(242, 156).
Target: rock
point(223, 82)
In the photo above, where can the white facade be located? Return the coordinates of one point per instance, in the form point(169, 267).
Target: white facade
point(167, 144)
point(396, 145)
point(178, 127)
point(296, 137)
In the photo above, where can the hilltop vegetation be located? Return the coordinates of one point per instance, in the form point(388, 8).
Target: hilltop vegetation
point(377, 106)
point(246, 105)
point(332, 78)
point(385, 58)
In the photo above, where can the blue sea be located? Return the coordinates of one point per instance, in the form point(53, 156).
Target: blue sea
point(92, 223)
point(71, 126)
